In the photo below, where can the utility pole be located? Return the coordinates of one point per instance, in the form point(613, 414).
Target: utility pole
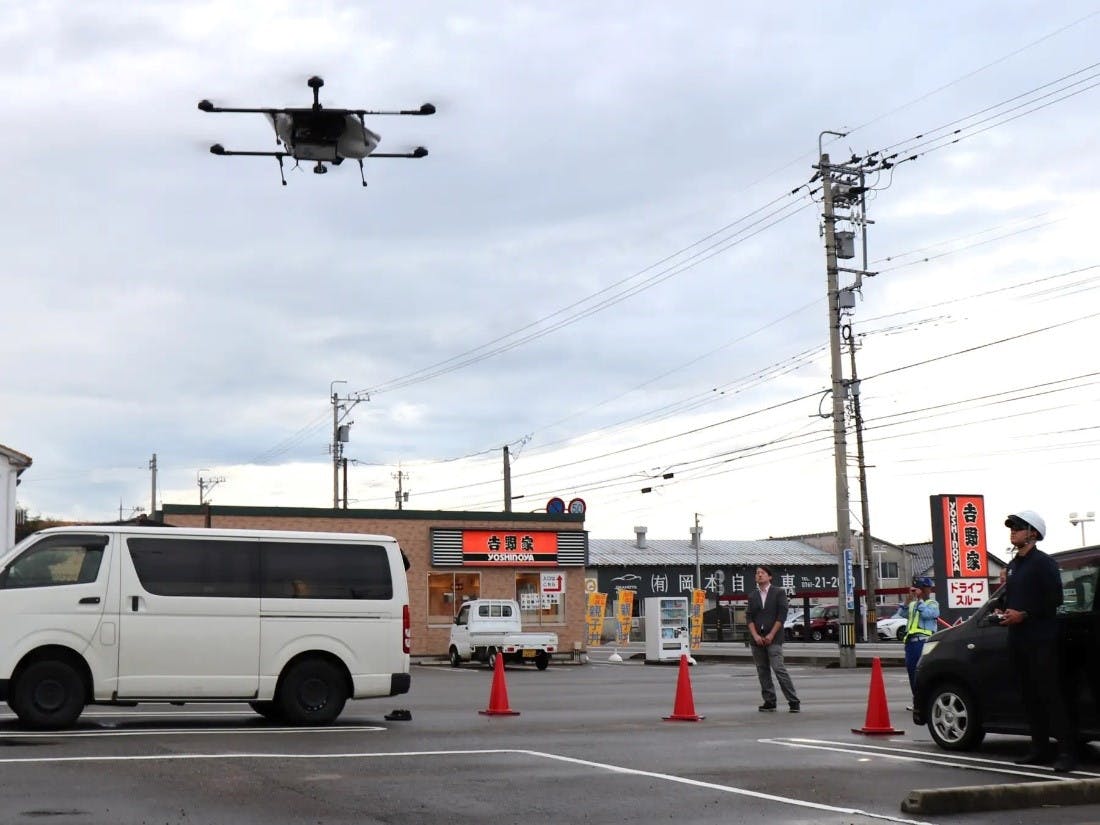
point(698, 541)
point(399, 495)
point(507, 481)
point(847, 635)
point(133, 511)
point(206, 485)
point(153, 496)
point(341, 434)
point(871, 582)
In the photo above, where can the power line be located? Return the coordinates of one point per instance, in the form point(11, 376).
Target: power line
point(491, 348)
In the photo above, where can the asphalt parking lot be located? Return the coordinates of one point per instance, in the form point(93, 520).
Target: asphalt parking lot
point(589, 744)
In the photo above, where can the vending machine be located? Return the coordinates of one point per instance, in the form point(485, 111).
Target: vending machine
point(667, 635)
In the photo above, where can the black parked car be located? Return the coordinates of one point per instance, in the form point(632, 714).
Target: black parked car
point(965, 686)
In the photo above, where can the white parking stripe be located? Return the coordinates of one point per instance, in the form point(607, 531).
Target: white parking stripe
point(713, 786)
point(944, 760)
point(92, 734)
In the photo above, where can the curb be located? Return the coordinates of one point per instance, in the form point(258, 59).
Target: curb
point(973, 798)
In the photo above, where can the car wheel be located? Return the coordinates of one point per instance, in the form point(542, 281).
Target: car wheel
point(491, 658)
point(268, 710)
point(456, 660)
point(542, 660)
point(817, 635)
point(312, 692)
point(900, 635)
point(953, 718)
point(48, 695)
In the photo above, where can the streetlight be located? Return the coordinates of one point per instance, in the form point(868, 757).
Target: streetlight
point(1075, 519)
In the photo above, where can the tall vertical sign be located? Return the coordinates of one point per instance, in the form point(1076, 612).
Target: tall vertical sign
point(596, 604)
point(960, 561)
point(625, 613)
point(698, 602)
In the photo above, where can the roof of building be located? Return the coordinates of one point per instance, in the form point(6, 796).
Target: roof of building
point(15, 458)
point(924, 562)
point(712, 552)
point(831, 535)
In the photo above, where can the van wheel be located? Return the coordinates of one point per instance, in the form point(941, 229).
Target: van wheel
point(311, 692)
point(268, 710)
point(900, 634)
point(953, 718)
point(542, 660)
point(48, 694)
point(456, 660)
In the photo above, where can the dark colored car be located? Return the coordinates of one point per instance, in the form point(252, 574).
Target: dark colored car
point(965, 686)
point(824, 623)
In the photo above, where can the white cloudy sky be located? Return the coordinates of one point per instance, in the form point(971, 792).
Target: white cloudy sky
point(599, 264)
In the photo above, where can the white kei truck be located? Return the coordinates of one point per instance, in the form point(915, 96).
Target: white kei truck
point(487, 628)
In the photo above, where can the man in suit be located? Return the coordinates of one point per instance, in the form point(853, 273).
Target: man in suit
point(766, 612)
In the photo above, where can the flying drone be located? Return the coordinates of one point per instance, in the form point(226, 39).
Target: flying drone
point(321, 135)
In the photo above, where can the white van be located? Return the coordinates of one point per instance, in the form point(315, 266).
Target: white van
point(292, 623)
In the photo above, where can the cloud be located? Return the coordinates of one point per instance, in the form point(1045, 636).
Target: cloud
point(160, 299)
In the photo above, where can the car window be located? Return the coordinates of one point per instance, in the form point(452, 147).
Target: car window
point(1078, 589)
point(57, 560)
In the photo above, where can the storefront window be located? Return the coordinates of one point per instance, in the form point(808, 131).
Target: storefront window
point(537, 606)
point(447, 592)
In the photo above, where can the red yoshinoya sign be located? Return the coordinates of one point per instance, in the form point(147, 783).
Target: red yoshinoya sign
point(964, 536)
point(506, 548)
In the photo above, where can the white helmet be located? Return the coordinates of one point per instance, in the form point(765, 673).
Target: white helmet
point(1031, 518)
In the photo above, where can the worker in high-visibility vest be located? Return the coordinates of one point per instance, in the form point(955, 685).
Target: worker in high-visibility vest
point(923, 612)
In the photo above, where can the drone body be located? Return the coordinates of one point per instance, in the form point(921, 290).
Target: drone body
point(321, 135)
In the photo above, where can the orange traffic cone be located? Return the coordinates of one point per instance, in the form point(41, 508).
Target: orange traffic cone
point(684, 708)
point(498, 694)
point(877, 722)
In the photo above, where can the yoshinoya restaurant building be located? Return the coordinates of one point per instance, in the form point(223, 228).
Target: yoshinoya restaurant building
point(538, 559)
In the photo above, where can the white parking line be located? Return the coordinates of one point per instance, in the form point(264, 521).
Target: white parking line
point(943, 760)
point(91, 734)
point(618, 769)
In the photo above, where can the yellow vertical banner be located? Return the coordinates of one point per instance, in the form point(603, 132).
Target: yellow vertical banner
point(625, 615)
point(698, 601)
point(597, 604)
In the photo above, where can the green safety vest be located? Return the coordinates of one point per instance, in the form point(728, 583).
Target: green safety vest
point(914, 619)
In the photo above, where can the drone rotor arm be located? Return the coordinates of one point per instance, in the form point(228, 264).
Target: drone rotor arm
point(207, 106)
point(218, 149)
point(425, 109)
point(418, 152)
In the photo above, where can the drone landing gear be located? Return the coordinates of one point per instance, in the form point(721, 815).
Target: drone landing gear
point(362, 177)
point(282, 177)
point(320, 169)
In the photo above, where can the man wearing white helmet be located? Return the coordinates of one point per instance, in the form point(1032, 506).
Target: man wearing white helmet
point(1029, 604)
